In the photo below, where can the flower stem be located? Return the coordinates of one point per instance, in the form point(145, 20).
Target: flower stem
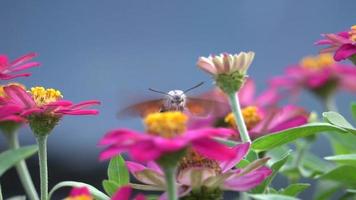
point(329, 104)
point(21, 168)
point(236, 110)
point(1, 198)
point(42, 155)
point(170, 176)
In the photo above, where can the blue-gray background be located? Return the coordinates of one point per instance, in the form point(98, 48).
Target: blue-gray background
point(108, 50)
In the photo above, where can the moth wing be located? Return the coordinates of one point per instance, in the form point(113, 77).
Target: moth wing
point(141, 109)
point(204, 107)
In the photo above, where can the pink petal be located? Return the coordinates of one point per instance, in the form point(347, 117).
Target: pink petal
point(247, 181)
point(124, 193)
point(20, 96)
point(247, 92)
point(240, 151)
point(23, 59)
point(213, 150)
point(206, 65)
point(344, 52)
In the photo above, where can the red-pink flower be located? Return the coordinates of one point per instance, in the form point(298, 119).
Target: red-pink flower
point(165, 134)
point(125, 192)
point(319, 74)
point(8, 68)
point(197, 172)
point(343, 43)
point(261, 113)
point(79, 193)
point(40, 101)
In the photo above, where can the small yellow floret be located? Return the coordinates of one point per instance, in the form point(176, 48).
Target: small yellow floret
point(250, 115)
point(166, 124)
point(43, 96)
point(317, 62)
point(352, 33)
point(80, 197)
point(2, 92)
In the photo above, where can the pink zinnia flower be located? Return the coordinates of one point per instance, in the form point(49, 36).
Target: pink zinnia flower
point(343, 43)
point(79, 193)
point(41, 101)
point(125, 192)
point(43, 108)
point(195, 173)
point(166, 133)
point(8, 68)
point(261, 113)
point(319, 74)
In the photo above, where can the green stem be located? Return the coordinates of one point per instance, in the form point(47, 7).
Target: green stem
point(42, 155)
point(170, 176)
point(236, 110)
point(21, 168)
point(329, 104)
point(1, 198)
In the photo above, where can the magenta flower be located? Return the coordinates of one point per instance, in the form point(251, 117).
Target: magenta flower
point(41, 100)
point(343, 43)
point(135, 143)
point(261, 113)
point(125, 192)
point(8, 68)
point(195, 173)
point(9, 113)
point(319, 74)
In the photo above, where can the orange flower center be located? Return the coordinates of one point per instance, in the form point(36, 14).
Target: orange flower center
point(193, 159)
point(80, 197)
point(317, 62)
point(250, 114)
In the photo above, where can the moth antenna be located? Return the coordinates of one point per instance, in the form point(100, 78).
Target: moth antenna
point(198, 85)
point(157, 91)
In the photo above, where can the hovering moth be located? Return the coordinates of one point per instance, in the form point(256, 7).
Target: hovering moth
point(174, 100)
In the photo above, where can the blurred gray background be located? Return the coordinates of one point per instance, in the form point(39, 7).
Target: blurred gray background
point(111, 50)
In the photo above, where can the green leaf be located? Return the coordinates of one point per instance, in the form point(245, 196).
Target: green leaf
point(273, 140)
point(275, 168)
point(110, 187)
point(243, 163)
point(342, 144)
point(343, 174)
point(95, 192)
point(9, 158)
point(271, 197)
point(349, 159)
point(338, 120)
point(117, 171)
point(353, 110)
point(294, 189)
point(326, 189)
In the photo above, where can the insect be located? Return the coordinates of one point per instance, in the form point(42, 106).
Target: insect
point(174, 100)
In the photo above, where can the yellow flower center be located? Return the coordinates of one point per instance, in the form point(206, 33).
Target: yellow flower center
point(352, 33)
point(317, 62)
point(43, 96)
point(166, 124)
point(2, 92)
point(250, 115)
point(80, 197)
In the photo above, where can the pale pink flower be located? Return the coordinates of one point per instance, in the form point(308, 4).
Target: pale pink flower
point(223, 175)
